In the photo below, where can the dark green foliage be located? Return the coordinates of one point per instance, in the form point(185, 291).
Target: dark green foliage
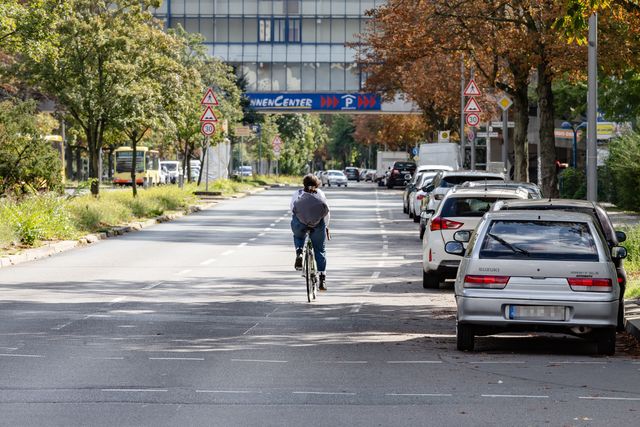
point(624, 166)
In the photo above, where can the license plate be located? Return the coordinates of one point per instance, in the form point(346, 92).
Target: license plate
point(536, 312)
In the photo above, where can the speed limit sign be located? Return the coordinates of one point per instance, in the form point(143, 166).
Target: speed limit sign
point(208, 129)
point(473, 119)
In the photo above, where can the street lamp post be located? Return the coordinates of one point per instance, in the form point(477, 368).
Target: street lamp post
point(575, 129)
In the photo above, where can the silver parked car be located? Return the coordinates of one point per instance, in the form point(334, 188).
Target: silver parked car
point(536, 270)
point(334, 177)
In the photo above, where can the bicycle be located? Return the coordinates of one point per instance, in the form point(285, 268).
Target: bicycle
point(309, 269)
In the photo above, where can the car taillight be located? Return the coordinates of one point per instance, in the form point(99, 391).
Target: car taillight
point(420, 197)
point(444, 224)
point(589, 284)
point(486, 282)
point(620, 280)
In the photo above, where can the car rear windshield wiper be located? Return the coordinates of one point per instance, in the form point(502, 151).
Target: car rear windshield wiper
point(513, 247)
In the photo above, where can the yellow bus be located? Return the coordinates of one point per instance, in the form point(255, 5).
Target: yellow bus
point(147, 166)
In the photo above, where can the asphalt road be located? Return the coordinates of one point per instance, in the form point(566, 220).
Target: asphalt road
point(203, 321)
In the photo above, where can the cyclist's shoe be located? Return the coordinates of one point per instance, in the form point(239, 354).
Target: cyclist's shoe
point(323, 285)
point(298, 263)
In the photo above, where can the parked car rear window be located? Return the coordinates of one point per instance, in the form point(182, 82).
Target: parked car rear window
point(467, 206)
point(545, 240)
point(450, 181)
point(404, 165)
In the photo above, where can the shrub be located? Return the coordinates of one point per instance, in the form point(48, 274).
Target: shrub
point(624, 166)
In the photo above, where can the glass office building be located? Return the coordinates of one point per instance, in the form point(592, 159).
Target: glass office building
point(280, 45)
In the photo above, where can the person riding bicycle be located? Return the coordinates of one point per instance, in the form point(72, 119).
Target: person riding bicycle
point(311, 215)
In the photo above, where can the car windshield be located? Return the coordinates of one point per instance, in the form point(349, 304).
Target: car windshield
point(336, 174)
point(170, 166)
point(541, 240)
point(450, 181)
point(466, 206)
point(404, 165)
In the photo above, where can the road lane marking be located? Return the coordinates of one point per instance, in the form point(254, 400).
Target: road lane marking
point(151, 286)
point(229, 252)
point(136, 390)
point(272, 225)
point(519, 396)
point(242, 245)
point(105, 358)
point(229, 391)
point(267, 229)
point(259, 361)
point(117, 300)
point(253, 239)
point(608, 398)
point(420, 394)
point(178, 358)
point(278, 220)
point(261, 234)
point(385, 247)
point(9, 348)
point(491, 362)
point(20, 355)
point(381, 264)
point(250, 329)
point(356, 308)
point(183, 272)
point(64, 325)
point(375, 275)
point(585, 362)
point(385, 254)
point(384, 236)
point(413, 361)
point(328, 393)
point(209, 261)
point(344, 362)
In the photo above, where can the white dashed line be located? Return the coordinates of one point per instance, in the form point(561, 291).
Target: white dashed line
point(578, 363)
point(229, 252)
point(117, 300)
point(496, 362)
point(384, 236)
point(259, 361)
point(9, 348)
point(413, 361)
point(20, 355)
point(272, 225)
point(261, 234)
point(253, 239)
point(151, 286)
point(385, 247)
point(385, 254)
point(183, 272)
point(64, 325)
point(608, 398)
point(106, 358)
point(229, 391)
point(137, 390)
point(518, 396)
point(381, 264)
point(178, 358)
point(209, 261)
point(345, 362)
point(327, 393)
point(420, 394)
point(356, 308)
point(241, 245)
point(375, 275)
point(278, 220)
point(267, 229)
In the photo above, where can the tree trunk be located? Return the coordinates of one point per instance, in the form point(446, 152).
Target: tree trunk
point(78, 174)
point(547, 127)
point(94, 146)
point(110, 163)
point(68, 157)
point(520, 143)
point(134, 164)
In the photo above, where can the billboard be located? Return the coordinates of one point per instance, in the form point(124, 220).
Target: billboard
point(315, 102)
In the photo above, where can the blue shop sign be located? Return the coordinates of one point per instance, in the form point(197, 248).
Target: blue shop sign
point(315, 102)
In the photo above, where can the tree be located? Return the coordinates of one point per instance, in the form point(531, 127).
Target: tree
point(28, 162)
point(92, 45)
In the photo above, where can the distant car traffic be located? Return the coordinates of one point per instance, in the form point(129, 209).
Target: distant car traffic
point(334, 177)
point(171, 169)
point(536, 271)
point(400, 174)
point(243, 171)
point(352, 173)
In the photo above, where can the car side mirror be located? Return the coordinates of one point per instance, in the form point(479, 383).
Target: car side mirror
point(454, 248)
point(621, 236)
point(462, 236)
point(618, 252)
point(429, 211)
point(428, 188)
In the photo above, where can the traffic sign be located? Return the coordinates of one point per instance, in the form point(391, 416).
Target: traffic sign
point(471, 135)
point(443, 136)
point(242, 131)
point(473, 119)
point(276, 143)
point(489, 134)
point(505, 102)
point(472, 106)
point(208, 128)
point(208, 115)
point(472, 89)
point(499, 124)
point(209, 98)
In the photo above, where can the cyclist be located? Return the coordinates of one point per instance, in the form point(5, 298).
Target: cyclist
point(311, 215)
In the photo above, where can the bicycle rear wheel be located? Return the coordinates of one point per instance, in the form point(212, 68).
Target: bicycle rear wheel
point(314, 273)
point(307, 275)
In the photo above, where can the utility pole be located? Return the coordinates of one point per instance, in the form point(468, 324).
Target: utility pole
point(462, 86)
point(592, 112)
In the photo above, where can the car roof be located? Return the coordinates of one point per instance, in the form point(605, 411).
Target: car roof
point(489, 192)
point(334, 170)
point(434, 168)
point(462, 172)
point(550, 203)
point(543, 215)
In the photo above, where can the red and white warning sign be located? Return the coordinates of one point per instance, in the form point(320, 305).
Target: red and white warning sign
point(473, 119)
point(472, 106)
point(472, 89)
point(209, 98)
point(208, 115)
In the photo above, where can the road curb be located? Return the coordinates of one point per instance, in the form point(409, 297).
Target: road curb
point(50, 249)
point(632, 317)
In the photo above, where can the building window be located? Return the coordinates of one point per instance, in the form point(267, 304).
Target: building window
point(293, 31)
point(292, 6)
point(264, 30)
point(279, 30)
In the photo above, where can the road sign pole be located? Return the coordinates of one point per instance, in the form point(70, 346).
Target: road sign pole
point(505, 138)
point(206, 167)
point(473, 149)
point(462, 138)
point(592, 111)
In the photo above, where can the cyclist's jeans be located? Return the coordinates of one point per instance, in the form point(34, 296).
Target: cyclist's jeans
point(317, 235)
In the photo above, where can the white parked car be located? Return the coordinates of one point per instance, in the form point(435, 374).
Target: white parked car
point(334, 177)
point(446, 180)
point(171, 169)
point(460, 210)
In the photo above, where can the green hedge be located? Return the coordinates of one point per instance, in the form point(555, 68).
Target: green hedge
point(623, 165)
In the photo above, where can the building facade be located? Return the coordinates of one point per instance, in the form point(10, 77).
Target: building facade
point(280, 45)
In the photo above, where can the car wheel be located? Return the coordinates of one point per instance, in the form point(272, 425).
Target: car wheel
point(430, 280)
point(465, 337)
point(607, 341)
point(422, 230)
point(389, 186)
point(405, 209)
point(346, 185)
point(620, 327)
point(416, 218)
